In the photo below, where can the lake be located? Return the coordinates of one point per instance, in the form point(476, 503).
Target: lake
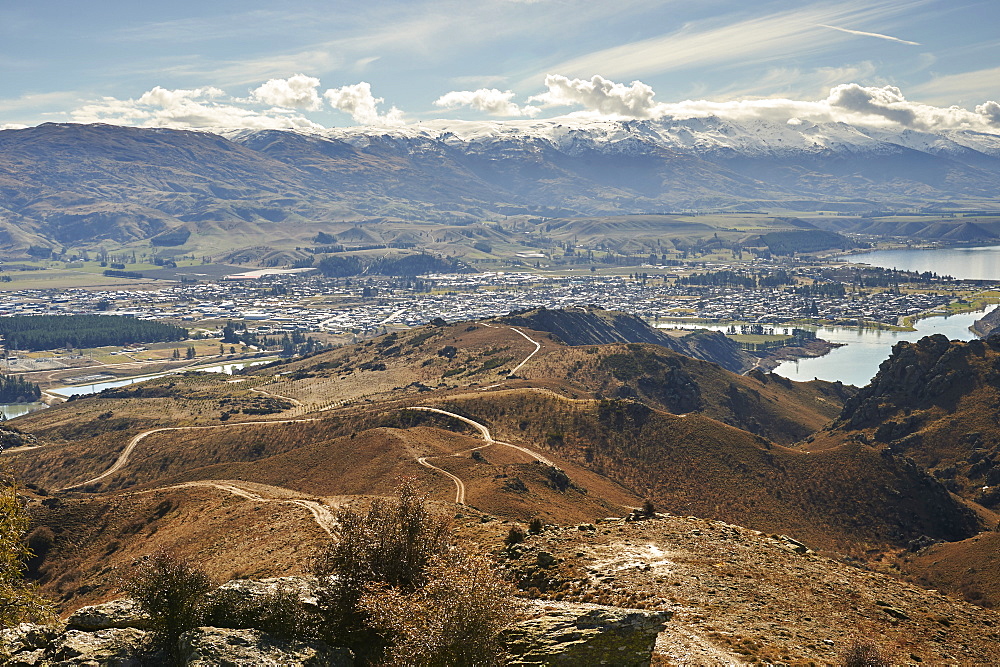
point(864, 349)
point(975, 263)
point(858, 361)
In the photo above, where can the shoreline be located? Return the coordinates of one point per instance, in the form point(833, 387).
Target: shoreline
point(814, 348)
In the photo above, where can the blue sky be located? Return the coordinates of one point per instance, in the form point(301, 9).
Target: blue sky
point(326, 64)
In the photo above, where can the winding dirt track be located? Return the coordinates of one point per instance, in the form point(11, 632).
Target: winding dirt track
point(320, 513)
point(127, 452)
point(485, 432)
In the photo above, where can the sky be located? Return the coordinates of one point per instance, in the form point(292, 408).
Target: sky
point(924, 64)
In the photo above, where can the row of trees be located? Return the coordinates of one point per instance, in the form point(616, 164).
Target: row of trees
point(47, 332)
point(15, 389)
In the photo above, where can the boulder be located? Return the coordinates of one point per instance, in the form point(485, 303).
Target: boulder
point(113, 647)
point(585, 634)
point(212, 647)
point(120, 613)
point(27, 637)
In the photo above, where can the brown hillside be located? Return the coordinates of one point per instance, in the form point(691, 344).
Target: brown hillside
point(935, 402)
point(851, 499)
point(970, 568)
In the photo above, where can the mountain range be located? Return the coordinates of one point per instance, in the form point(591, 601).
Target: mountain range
point(67, 183)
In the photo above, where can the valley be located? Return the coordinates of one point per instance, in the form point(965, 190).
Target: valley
point(757, 479)
point(582, 343)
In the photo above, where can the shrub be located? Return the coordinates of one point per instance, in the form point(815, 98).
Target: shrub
point(514, 536)
point(19, 601)
point(172, 592)
point(535, 526)
point(280, 613)
point(865, 653)
point(454, 619)
point(392, 544)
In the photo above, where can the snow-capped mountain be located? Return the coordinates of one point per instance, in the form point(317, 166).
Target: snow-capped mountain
point(63, 182)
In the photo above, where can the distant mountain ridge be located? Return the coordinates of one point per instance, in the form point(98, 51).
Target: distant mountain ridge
point(63, 183)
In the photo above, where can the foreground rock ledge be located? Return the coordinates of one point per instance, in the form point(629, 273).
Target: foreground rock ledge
point(585, 634)
point(113, 633)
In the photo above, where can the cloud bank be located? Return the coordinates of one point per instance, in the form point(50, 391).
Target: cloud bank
point(210, 108)
point(490, 100)
point(284, 103)
point(358, 101)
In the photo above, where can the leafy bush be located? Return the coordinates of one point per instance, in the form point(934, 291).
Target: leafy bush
point(19, 601)
point(392, 544)
point(454, 619)
point(173, 593)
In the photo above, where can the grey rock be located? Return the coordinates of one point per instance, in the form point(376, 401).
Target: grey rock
point(27, 636)
point(585, 634)
point(120, 613)
point(214, 647)
point(303, 587)
point(113, 647)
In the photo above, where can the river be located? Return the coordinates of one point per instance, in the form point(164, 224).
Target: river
point(11, 410)
point(858, 361)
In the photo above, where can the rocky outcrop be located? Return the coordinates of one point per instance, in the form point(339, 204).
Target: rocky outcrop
point(206, 647)
point(988, 325)
point(114, 633)
point(31, 645)
point(593, 326)
point(121, 613)
point(585, 634)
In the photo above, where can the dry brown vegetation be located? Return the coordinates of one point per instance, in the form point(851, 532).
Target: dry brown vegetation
point(622, 423)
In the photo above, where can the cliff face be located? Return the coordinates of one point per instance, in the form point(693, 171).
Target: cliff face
point(575, 326)
point(988, 325)
point(938, 403)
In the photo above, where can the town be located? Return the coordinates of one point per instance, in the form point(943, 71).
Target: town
point(284, 302)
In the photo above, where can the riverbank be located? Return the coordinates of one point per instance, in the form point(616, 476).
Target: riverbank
point(809, 350)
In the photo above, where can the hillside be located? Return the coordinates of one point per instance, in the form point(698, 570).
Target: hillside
point(933, 401)
point(75, 184)
point(500, 423)
point(595, 327)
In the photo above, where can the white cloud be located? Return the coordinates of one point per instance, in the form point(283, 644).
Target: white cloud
point(295, 92)
point(770, 38)
point(873, 106)
point(887, 101)
point(990, 111)
point(878, 35)
point(600, 95)
point(492, 101)
point(188, 109)
point(358, 101)
point(963, 87)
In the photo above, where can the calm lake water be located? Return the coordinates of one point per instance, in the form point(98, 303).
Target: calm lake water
point(857, 362)
point(977, 263)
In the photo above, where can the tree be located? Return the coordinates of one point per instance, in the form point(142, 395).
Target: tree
point(190, 352)
point(19, 601)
